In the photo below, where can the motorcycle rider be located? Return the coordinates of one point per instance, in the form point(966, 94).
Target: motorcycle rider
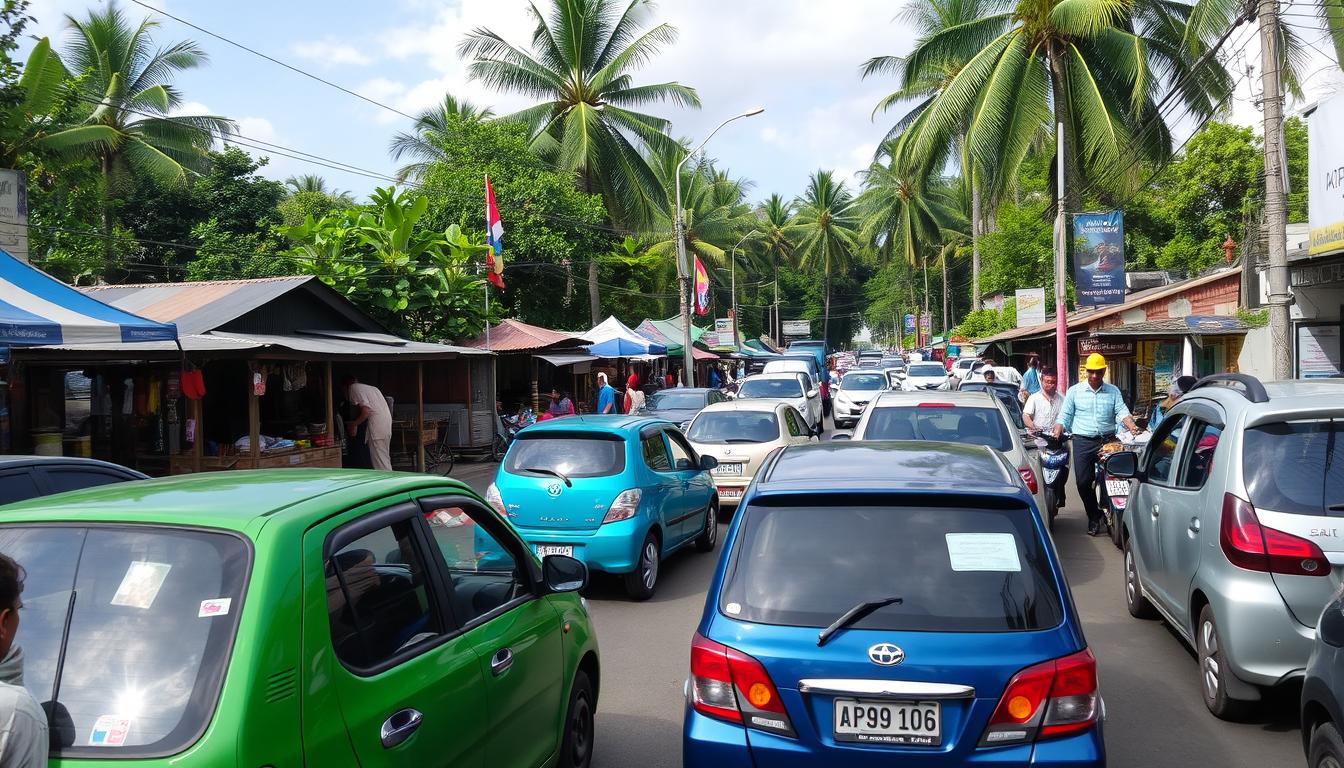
point(1091, 410)
point(1040, 415)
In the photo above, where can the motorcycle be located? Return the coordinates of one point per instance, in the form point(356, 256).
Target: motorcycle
point(507, 428)
point(1113, 492)
point(1054, 471)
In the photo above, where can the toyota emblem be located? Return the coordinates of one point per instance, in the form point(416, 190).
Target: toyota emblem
point(886, 655)
point(553, 489)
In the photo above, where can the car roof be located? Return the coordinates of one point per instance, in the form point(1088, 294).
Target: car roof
point(896, 398)
point(1286, 398)
point(14, 462)
point(793, 375)
point(749, 404)
point(607, 422)
point(888, 465)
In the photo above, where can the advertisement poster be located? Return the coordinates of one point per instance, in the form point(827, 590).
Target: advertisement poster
point(925, 323)
point(723, 326)
point(1030, 307)
point(701, 288)
point(1099, 257)
point(1325, 177)
point(1164, 366)
point(797, 327)
point(14, 213)
point(1317, 351)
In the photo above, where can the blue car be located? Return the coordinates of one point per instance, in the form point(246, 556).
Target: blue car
point(890, 604)
point(620, 493)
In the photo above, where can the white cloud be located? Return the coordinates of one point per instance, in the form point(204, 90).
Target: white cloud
point(331, 53)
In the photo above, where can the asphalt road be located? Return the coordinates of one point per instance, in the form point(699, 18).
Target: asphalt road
point(1155, 716)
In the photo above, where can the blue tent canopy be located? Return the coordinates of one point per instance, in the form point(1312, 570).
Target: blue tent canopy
point(613, 339)
point(36, 309)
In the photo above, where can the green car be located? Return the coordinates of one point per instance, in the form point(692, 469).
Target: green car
point(300, 618)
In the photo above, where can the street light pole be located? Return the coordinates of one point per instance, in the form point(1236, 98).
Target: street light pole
point(683, 265)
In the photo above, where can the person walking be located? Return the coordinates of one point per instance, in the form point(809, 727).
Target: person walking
point(715, 380)
point(1178, 388)
point(634, 396)
point(1091, 410)
point(24, 740)
point(373, 410)
point(1031, 380)
point(1041, 413)
point(606, 395)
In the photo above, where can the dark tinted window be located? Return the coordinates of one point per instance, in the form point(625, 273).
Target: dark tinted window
point(1296, 467)
point(1162, 450)
point(863, 381)
point(670, 399)
point(735, 427)
point(1006, 395)
point(1201, 449)
point(150, 631)
point(867, 460)
point(771, 388)
point(955, 569)
point(927, 370)
point(969, 425)
point(655, 453)
point(683, 457)
point(570, 455)
point(17, 486)
point(62, 480)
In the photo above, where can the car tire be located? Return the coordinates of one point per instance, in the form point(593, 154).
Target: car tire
point(1117, 530)
point(498, 447)
point(576, 748)
point(1213, 670)
point(710, 538)
point(1326, 749)
point(641, 582)
point(1138, 605)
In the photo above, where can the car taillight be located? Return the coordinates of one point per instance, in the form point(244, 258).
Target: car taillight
point(624, 507)
point(496, 501)
point(1055, 698)
point(732, 686)
point(1248, 544)
point(1028, 477)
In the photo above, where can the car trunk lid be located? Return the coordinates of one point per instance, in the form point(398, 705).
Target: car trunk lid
point(561, 480)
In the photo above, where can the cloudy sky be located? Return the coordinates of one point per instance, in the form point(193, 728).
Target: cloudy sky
point(799, 59)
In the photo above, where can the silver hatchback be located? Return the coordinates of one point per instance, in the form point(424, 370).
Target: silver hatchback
point(1233, 530)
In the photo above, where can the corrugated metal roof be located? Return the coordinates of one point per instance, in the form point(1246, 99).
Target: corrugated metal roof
point(196, 307)
point(516, 336)
point(1171, 327)
point(316, 346)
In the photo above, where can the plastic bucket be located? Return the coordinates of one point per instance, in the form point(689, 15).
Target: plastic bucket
point(47, 443)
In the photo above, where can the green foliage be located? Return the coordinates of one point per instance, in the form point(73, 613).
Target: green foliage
point(987, 322)
point(1019, 252)
point(1253, 319)
point(224, 255)
point(1295, 145)
point(300, 205)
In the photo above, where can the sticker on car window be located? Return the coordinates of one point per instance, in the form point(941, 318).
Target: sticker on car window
point(216, 607)
point(110, 731)
point(141, 584)
point(983, 552)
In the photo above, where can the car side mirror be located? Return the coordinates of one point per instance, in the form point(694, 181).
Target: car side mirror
point(562, 573)
point(1123, 464)
point(811, 393)
point(707, 463)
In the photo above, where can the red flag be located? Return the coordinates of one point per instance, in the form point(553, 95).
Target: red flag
point(494, 237)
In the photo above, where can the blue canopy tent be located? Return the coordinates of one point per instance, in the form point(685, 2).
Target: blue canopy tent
point(614, 339)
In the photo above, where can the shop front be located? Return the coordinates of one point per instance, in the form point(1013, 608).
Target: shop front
point(1318, 306)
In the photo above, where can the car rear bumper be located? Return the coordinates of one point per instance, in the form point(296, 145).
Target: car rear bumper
point(731, 491)
point(1262, 642)
point(613, 547)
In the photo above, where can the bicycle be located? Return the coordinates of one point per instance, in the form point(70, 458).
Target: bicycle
point(440, 457)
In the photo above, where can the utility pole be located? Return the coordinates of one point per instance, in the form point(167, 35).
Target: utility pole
point(1061, 321)
point(778, 329)
point(1276, 210)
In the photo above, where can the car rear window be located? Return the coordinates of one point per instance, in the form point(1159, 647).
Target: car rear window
point(734, 427)
point(572, 455)
point(677, 400)
point(963, 424)
point(771, 388)
point(148, 617)
point(1296, 467)
point(927, 370)
point(863, 381)
point(1006, 395)
point(955, 569)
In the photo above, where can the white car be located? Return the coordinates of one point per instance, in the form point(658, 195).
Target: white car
point(1005, 374)
point(857, 389)
point(924, 376)
point(793, 366)
point(963, 367)
point(796, 389)
point(741, 434)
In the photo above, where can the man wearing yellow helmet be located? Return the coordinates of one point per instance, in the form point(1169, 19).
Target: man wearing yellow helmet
point(1091, 410)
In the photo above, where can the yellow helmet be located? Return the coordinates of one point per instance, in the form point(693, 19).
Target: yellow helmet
point(1095, 362)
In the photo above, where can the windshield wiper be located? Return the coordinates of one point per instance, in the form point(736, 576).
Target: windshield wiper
point(551, 472)
point(855, 614)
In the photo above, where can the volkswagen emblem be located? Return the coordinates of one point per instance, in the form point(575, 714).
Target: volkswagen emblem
point(553, 489)
point(886, 655)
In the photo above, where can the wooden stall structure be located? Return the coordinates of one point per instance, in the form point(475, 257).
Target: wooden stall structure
point(523, 369)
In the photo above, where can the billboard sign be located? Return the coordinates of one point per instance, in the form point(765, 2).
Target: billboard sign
point(1030, 307)
point(1325, 173)
point(723, 326)
point(797, 327)
point(909, 323)
point(1099, 257)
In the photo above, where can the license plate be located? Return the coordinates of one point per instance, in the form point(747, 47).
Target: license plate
point(555, 549)
point(730, 493)
point(728, 470)
point(1117, 487)
point(916, 723)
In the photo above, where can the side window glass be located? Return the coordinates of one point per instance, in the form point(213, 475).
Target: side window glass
point(17, 486)
point(378, 596)
point(1203, 444)
point(62, 480)
point(655, 453)
point(484, 572)
point(682, 456)
point(1162, 450)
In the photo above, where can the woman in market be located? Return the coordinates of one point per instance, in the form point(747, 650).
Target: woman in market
point(1178, 387)
point(634, 396)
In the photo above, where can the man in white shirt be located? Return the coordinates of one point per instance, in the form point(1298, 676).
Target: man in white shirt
point(1041, 412)
point(373, 409)
point(23, 725)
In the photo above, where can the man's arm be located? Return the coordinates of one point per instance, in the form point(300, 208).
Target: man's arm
point(1122, 413)
point(1027, 412)
point(1065, 420)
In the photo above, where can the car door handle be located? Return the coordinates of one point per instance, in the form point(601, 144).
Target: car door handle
point(1156, 510)
point(501, 661)
point(1194, 525)
point(399, 727)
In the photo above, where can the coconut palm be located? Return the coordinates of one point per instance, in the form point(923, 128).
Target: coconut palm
point(828, 226)
point(713, 206)
point(424, 142)
point(776, 241)
point(580, 69)
point(315, 184)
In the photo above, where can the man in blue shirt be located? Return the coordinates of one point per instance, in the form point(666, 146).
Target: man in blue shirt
point(606, 395)
point(1031, 380)
point(1091, 410)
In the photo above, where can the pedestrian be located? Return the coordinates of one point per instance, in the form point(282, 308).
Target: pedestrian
point(990, 376)
point(667, 380)
point(373, 410)
point(715, 380)
point(357, 445)
point(606, 395)
point(1178, 388)
point(24, 741)
point(1041, 413)
point(634, 396)
point(1031, 380)
point(1091, 410)
point(561, 405)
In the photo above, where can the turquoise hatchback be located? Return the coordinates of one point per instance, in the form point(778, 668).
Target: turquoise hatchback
point(620, 493)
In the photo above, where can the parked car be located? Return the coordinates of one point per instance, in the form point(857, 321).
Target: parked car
point(795, 388)
point(27, 477)
point(1231, 529)
point(973, 418)
point(415, 627)
point(740, 435)
point(827, 640)
point(620, 493)
point(962, 367)
point(1323, 690)
point(857, 389)
point(680, 404)
point(1007, 394)
point(920, 375)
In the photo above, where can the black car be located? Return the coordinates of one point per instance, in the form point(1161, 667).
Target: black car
point(680, 404)
point(27, 477)
point(1322, 708)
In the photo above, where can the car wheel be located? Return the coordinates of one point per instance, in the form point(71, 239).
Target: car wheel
point(1117, 530)
point(640, 583)
point(1213, 669)
point(1138, 605)
point(708, 539)
point(576, 750)
point(1326, 749)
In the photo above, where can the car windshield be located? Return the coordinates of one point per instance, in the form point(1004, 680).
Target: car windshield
point(734, 427)
point(1296, 467)
point(670, 399)
point(863, 381)
point(927, 370)
point(968, 425)
point(956, 569)
point(139, 621)
point(572, 455)
point(778, 389)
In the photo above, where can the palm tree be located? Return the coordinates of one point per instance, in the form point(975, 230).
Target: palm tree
point(776, 244)
point(713, 206)
point(424, 143)
point(40, 89)
point(313, 183)
point(828, 224)
point(579, 69)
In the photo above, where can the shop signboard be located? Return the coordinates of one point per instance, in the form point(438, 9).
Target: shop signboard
point(14, 213)
point(1164, 366)
point(1099, 257)
point(797, 327)
point(1030, 307)
point(1105, 347)
point(723, 326)
point(1325, 173)
point(1212, 323)
point(1318, 351)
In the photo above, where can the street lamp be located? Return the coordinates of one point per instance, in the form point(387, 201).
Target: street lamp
point(732, 261)
point(683, 265)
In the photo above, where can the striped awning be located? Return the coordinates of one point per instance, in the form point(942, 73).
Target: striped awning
point(36, 308)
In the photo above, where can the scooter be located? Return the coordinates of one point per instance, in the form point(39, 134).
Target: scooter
point(1054, 471)
point(1114, 491)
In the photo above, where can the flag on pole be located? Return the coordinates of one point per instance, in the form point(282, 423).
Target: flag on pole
point(494, 237)
point(701, 288)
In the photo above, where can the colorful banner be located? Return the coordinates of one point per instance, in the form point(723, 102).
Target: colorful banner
point(1030, 307)
point(909, 323)
point(1099, 258)
point(1325, 174)
point(925, 323)
point(701, 288)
